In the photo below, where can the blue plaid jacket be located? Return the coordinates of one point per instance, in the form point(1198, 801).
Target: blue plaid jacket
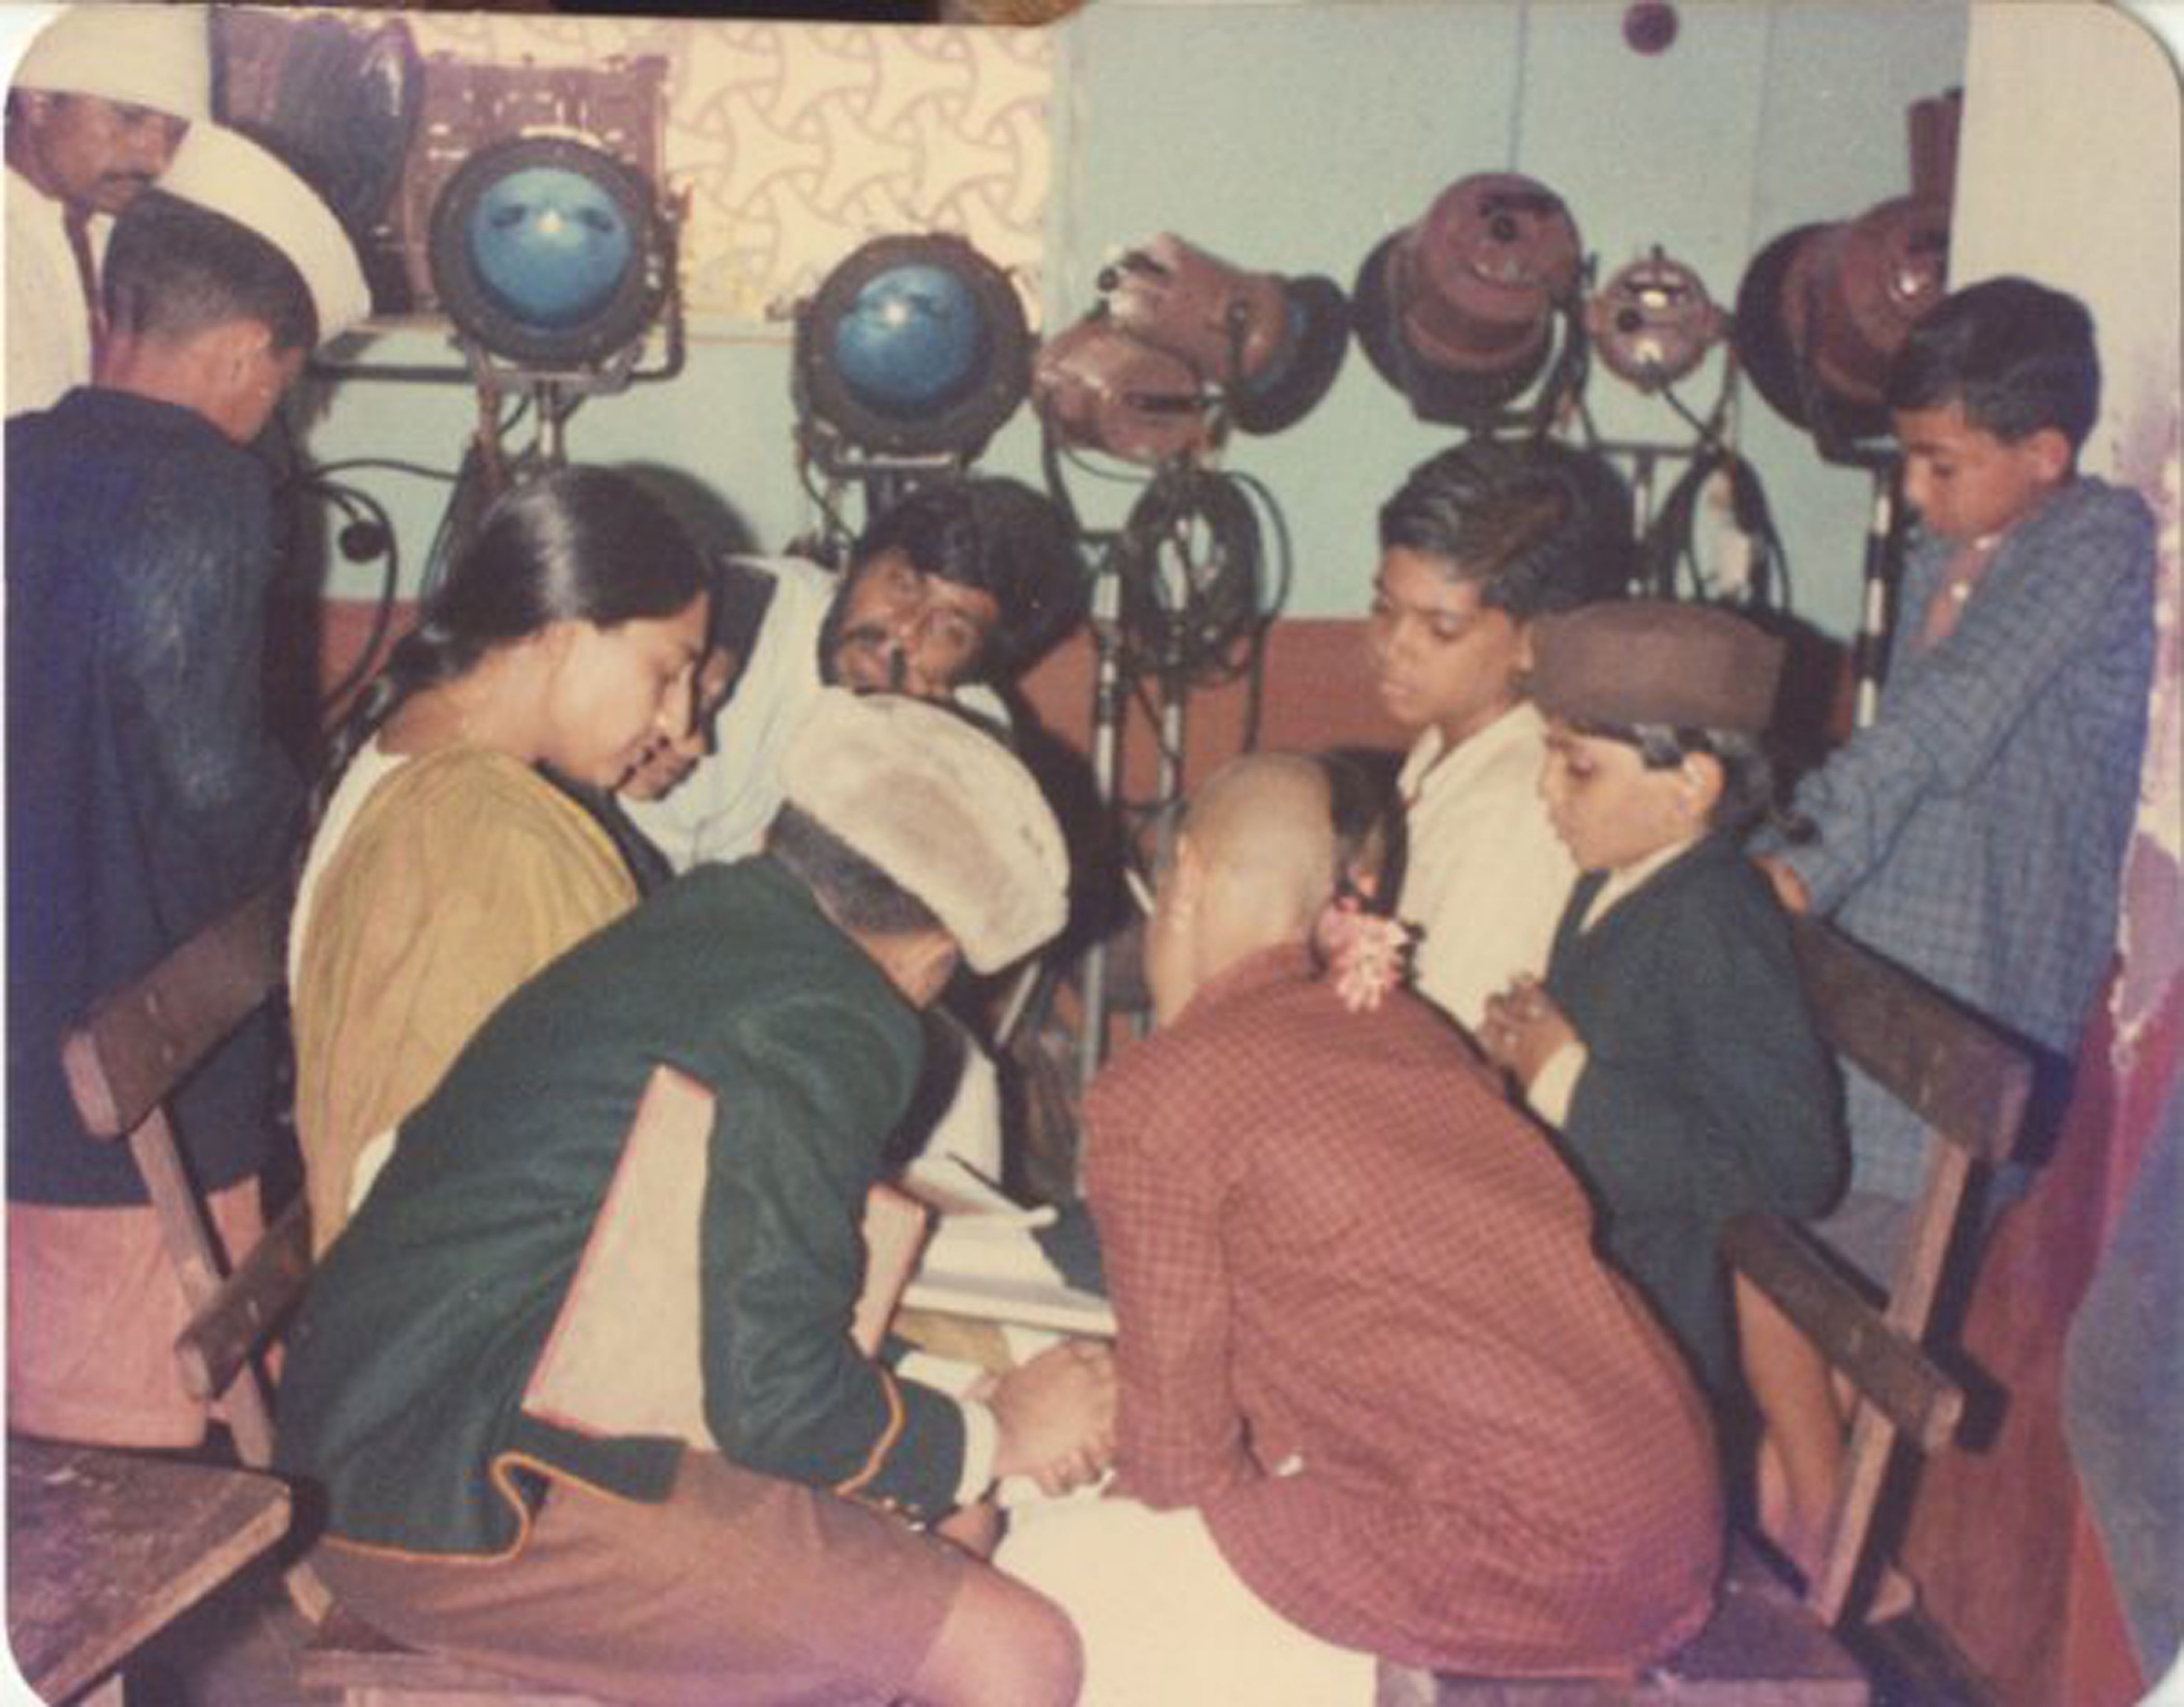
point(1975, 831)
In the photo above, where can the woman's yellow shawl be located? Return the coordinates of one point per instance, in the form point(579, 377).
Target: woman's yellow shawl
point(464, 873)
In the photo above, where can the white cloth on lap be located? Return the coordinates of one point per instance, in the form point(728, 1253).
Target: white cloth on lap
point(1165, 1622)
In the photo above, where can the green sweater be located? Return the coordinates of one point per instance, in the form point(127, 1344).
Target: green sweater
point(415, 1389)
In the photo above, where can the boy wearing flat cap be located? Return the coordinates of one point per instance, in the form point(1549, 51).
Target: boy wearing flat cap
point(1669, 1043)
point(578, 1378)
point(145, 795)
point(101, 96)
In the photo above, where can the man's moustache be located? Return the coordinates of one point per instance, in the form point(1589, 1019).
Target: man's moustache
point(879, 640)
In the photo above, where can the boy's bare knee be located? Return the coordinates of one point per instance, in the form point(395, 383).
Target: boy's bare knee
point(1002, 1645)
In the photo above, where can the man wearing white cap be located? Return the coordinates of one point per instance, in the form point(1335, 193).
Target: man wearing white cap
point(578, 1380)
point(144, 796)
point(100, 100)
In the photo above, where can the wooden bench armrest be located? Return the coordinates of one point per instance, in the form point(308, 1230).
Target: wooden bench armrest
point(1887, 1367)
point(249, 1305)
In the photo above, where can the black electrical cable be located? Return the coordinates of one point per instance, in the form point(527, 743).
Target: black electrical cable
point(348, 499)
point(1668, 555)
point(1188, 565)
point(389, 464)
point(1274, 596)
point(835, 533)
point(1566, 374)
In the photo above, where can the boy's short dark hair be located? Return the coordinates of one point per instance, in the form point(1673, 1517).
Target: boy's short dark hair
point(1540, 527)
point(174, 270)
point(1747, 773)
point(2015, 356)
point(1367, 816)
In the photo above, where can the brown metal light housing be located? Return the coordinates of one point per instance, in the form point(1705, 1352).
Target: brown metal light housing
point(1456, 311)
point(1181, 342)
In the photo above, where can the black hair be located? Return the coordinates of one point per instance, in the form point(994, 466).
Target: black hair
point(857, 894)
point(1003, 538)
point(174, 270)
point(1367, 822)
point(1540, 527)
point(1747, 773)
point(584, 545)
point(2015, 356)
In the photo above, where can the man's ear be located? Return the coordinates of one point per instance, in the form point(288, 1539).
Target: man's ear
point(238, 347)
point(1699, 779)
point(2049, 448)
point(1186, 878)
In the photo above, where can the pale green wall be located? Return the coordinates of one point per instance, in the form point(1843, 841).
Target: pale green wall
point(1290, 138)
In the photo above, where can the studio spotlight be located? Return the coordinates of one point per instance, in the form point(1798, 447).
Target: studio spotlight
point(1652, 323)
point(1456, 311)
point(1823, 310)
point(913, 347)
point(550, 254)
point(1181, 342)
point(1100, 389)
point(1272, 345)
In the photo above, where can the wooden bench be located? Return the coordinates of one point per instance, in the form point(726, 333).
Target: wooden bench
point(105, 1547)
point(1770, 1643)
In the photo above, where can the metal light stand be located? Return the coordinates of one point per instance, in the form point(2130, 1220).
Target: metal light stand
point(1870, 648)
point(554, 397)
point(1108, 710)
point(1646, 456)
point(1106, 749)
point(1883, 539)
point(883, 479)
point(1179, 590)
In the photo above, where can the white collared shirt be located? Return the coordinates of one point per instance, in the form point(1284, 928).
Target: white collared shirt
point(49, 319)
point(1486, 878)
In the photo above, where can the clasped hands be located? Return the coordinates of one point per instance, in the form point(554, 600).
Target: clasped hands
point(1056, 1414)
point(1522, 1029)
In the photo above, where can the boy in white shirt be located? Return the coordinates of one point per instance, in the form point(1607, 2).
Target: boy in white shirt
point(1476, 543)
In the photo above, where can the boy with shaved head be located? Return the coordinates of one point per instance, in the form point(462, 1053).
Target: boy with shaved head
point(1378, 1398)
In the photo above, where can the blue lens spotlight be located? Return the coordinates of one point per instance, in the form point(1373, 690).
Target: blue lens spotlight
point(549, 252)
point(549, 245)
point(913, 342)
point(914, 346)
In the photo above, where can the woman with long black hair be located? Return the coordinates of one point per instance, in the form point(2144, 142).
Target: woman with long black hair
point(443, 868)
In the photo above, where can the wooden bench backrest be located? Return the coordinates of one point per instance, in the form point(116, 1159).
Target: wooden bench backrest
point(143, 1041)
point(1969, 1084)
point(137, 1046)
point(1954, 1070)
